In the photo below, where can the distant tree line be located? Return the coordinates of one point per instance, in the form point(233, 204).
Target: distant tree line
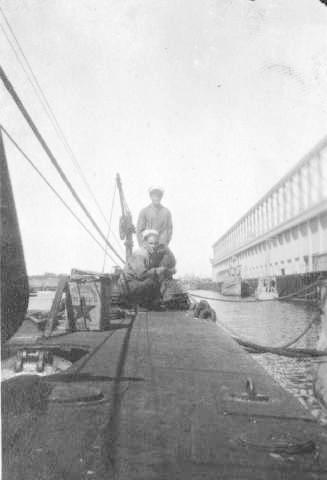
point(45, 281)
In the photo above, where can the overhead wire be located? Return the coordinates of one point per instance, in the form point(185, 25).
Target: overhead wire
point(109, 226)
point(50, 113)
point(53, 189)
point(52, 158)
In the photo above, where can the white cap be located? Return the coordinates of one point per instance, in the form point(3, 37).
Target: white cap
point(156, 188)
point(146, 233)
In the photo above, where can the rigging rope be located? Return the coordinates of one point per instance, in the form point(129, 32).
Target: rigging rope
point(3, 129)
point(255, 300)
point(282, 350)
point(49, 111)
point(109, 225)
point(52, 158)
point(314, 319)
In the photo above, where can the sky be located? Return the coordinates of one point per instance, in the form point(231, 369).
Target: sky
point(213, 100)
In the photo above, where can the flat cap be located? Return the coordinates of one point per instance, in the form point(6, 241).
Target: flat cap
point(156, 188)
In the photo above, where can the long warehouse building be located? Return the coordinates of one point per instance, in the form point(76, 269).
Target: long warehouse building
point(285, 232)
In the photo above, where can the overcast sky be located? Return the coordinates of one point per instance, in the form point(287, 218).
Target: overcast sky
point(214, 100)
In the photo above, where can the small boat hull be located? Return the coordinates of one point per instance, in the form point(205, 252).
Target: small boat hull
point(232, 287)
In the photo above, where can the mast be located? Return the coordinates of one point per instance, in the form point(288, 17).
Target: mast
point(126, 227)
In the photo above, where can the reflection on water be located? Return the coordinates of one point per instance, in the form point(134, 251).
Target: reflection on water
point(42, 301)
point(275, 323)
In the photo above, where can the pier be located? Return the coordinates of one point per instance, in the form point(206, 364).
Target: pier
point(285, 232)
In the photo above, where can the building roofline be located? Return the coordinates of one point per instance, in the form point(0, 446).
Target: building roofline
point(319, 146)
point(319, 209)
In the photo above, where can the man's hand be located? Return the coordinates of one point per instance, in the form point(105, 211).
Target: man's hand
point(157, 271)
point(161, 270)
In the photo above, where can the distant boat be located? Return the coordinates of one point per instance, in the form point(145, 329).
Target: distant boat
point(266, 289)
point(233, 285)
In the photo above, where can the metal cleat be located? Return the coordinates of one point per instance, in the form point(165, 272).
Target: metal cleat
point(250, 394)
point(250, 389)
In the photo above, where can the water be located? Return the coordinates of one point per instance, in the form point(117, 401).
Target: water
point(42, 301)
point(275, 323)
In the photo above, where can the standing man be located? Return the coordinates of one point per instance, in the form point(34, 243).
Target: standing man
point(155, 216)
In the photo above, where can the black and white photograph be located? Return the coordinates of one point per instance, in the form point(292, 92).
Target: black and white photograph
point(163, 199)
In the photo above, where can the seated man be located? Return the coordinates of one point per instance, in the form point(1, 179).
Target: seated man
point(164, 257)
point(146, 269)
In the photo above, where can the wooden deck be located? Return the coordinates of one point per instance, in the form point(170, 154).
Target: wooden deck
point(159, 398)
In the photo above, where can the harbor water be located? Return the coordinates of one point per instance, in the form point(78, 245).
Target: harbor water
point(274, 323)
point(42, 301)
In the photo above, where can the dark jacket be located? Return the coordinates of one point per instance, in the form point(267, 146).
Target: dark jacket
point(142, 264)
